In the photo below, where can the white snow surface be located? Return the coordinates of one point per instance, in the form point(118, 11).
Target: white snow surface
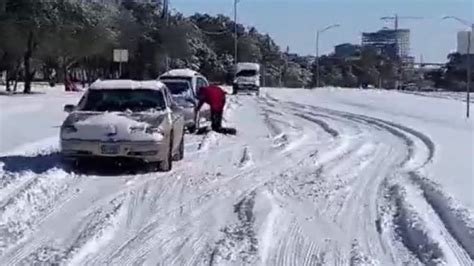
point(314, 177)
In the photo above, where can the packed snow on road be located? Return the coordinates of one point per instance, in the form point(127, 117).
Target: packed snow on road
point(314, 177)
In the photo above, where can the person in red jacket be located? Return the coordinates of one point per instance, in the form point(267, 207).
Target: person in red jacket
point(215, 97)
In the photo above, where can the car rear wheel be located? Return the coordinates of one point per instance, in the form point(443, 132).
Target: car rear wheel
point(167, 164)
point(69, 164)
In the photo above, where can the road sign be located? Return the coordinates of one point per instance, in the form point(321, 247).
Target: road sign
point(120, 55)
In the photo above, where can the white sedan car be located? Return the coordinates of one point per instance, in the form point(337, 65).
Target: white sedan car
point(125, 119)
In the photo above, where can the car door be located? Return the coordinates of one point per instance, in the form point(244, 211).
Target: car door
point(205, 110)
point(177, 119)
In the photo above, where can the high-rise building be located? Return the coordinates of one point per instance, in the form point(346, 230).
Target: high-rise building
point(394, 43)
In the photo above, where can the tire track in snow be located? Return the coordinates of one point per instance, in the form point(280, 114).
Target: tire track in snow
point(347, 153)
point(407, 135)
point(397, 130)
point(325, 126)
point(240, 240)
point(96, 230)
point(455, 219)
point(58, 202)
point(430, 252)
point(21, 213)
point(298, 111)
point(281, 138)
point(423, 241)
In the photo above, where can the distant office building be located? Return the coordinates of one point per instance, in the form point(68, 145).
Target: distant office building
point(394, 43)
point(346, 50)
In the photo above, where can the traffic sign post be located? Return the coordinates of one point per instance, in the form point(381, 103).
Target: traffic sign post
point(120, 56)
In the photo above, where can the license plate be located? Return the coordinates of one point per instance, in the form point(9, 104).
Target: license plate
point(110, 149)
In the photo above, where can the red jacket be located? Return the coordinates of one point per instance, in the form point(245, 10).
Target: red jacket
point(212, 95)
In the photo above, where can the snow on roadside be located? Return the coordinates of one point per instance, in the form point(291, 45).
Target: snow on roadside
point(267, 211)
point(458, 220)
point(28, 118)
point(31, 203)
point(101, 231)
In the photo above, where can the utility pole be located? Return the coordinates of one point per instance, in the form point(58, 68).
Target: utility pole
point(167, 21)
point(318, 32)
point(468, 54)
point(236, 45)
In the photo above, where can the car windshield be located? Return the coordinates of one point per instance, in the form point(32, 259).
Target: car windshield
point(178, 87)
point(246, 73)
point(119, 100)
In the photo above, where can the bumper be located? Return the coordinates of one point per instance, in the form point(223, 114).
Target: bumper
point(241, 86)
point(146, 151)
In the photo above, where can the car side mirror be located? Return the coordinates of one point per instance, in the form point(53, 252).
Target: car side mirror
point(69, 108)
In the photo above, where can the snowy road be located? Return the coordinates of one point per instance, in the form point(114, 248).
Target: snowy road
point(333, 177)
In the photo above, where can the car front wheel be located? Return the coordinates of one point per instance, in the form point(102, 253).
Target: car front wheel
point(167, 164)
point(180, 155)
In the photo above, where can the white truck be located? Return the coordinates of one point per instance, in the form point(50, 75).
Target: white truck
point(247, 77)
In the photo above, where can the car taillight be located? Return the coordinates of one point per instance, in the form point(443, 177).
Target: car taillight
point(136, 129)
point(154, 130)
point(69, 129)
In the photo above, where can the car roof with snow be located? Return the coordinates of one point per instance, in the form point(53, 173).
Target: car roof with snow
point(126, 84)
point(184, 72)
point(176, 81)
point(245, 66)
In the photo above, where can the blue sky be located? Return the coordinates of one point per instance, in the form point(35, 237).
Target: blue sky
point(293, 22)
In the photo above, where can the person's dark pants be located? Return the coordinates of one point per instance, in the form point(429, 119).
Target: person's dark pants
point(216, 120)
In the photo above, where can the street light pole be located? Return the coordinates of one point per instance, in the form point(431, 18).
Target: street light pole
point(468, 68)
point(468, 89)
point(318, 32)
point(317, 59)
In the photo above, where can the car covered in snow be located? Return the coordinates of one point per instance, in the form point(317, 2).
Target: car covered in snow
point(184, 96)
point(196, 79)
point(247, 78)
point(124, 119)
point(184, 85)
